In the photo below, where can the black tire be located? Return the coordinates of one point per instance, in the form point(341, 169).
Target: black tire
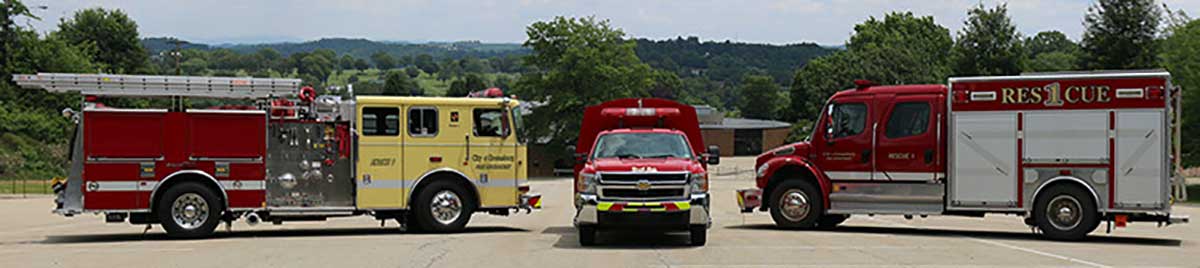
point(831, 221)
point(189, 210)
point(699, 235)
point(811, 195)
point(587, 235)
point(423, 207)
point(1064, 224)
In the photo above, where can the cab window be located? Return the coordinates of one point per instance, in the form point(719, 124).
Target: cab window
point(489, 123)
point(846, 119)
point(422, 122)
point(908, 119)
point(380, 121)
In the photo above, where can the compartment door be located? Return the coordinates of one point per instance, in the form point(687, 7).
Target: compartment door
point(984, 153)
point(1140, 180)
point(379, 180)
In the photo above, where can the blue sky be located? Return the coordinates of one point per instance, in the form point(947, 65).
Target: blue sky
point(827, 22)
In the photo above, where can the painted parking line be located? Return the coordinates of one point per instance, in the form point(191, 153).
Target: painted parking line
point(1004, 245)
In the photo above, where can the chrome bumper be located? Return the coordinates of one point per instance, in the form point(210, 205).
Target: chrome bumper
point(1177, 219)
point(589, 208)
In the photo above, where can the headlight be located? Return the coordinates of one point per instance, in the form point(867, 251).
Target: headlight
point(587, 183)
point(699, 182)
point(762, 170)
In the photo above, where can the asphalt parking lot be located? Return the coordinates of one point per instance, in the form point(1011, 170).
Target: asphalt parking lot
point(32, 237)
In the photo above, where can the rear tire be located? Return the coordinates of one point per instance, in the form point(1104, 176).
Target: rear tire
point(831, 221)
point(1066, 212)
point(189, 210)
point(587, 235)
point(442, 206)
point(699, 235)
point(796, 204)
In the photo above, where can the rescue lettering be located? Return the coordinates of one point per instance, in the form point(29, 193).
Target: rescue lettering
point(1054, 95)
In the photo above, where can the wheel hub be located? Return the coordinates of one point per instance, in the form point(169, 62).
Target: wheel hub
point(1064, 212)
point(794, 205)
point(189, 211)
point(446, 207)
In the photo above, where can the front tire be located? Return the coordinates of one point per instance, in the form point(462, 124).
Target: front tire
point(189, 210)
point(587, 235)
point(1066, 212)
point(443, 206)
point(796, 204)
point(699, 235)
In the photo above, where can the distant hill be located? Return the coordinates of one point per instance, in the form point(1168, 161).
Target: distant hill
point(724, 61)
point(361, 48)
point(728, 61)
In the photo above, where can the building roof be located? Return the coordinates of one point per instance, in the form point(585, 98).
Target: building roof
point(746, 123)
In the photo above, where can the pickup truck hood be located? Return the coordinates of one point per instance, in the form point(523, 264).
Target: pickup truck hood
point(659, 164)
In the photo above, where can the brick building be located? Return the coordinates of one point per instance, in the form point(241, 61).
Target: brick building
point(740, 136)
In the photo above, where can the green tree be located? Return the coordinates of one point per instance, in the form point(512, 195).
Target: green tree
point(475, 82)
point(1181, 56)
point(1121, 34)
point(761, 97)
point(426, 63)
point(10, 35)
point(458, 88)
point(900, 49)
point(397, 83)
point(988, 44)
point(578, 62)
point(346, 62)
point(316, 67)
point(1051, 51)
point(114, 34)
point(412, 72)
point(383, 61)
point(666, 85)
point(361, 64)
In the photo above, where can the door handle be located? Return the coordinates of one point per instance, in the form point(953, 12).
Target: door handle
point(866, 156)
point(929, 156)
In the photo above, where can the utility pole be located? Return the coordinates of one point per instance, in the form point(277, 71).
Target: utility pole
point(177, 53)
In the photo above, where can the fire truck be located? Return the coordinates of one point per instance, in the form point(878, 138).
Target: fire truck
point(642, 164)
point(428, 163)
point(1066, 151)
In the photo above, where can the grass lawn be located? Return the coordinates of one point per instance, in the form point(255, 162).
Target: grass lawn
point(25, 186)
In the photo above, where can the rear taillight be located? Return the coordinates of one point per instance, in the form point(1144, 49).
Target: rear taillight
point(1154, 93)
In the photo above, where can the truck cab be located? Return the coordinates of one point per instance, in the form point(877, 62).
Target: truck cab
point(641, 164)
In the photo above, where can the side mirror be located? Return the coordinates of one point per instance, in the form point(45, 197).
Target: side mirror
point(713, 156)
point(578, 157)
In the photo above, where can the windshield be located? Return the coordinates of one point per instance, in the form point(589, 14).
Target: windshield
point(642, 145)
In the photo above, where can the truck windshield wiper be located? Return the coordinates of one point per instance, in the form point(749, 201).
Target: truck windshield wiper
point(660, 156)
point(623, 156)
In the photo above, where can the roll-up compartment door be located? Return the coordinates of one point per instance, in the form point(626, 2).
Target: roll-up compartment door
point(984, 160)
point(1140, 176)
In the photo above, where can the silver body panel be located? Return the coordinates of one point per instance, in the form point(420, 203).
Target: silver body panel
point(983, 155)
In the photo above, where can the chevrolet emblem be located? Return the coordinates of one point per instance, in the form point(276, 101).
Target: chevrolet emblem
point(643, 185)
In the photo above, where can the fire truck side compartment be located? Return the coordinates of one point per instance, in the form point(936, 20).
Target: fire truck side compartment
point(129, 154)
point(298, 169)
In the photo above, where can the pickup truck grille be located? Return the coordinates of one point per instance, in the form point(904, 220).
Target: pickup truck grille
point(633, 178)
point(640, 194)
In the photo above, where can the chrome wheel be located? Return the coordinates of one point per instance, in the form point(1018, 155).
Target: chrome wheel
point(446, 207)
point(189, 211)
point(1064, 212)
point(794, 205)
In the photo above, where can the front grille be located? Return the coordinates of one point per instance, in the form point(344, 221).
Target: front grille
point(657, 178)
point(640, 194)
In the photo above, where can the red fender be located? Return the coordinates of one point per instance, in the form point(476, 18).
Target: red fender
point(777, 163)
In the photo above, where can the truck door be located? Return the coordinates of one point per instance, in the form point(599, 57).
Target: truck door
point(379, 178)
point(493, 156)
point(844, 147)
point(907, 139)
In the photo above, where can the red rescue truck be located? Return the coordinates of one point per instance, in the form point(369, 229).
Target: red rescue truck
point(1066, 151)
point(642, 164)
